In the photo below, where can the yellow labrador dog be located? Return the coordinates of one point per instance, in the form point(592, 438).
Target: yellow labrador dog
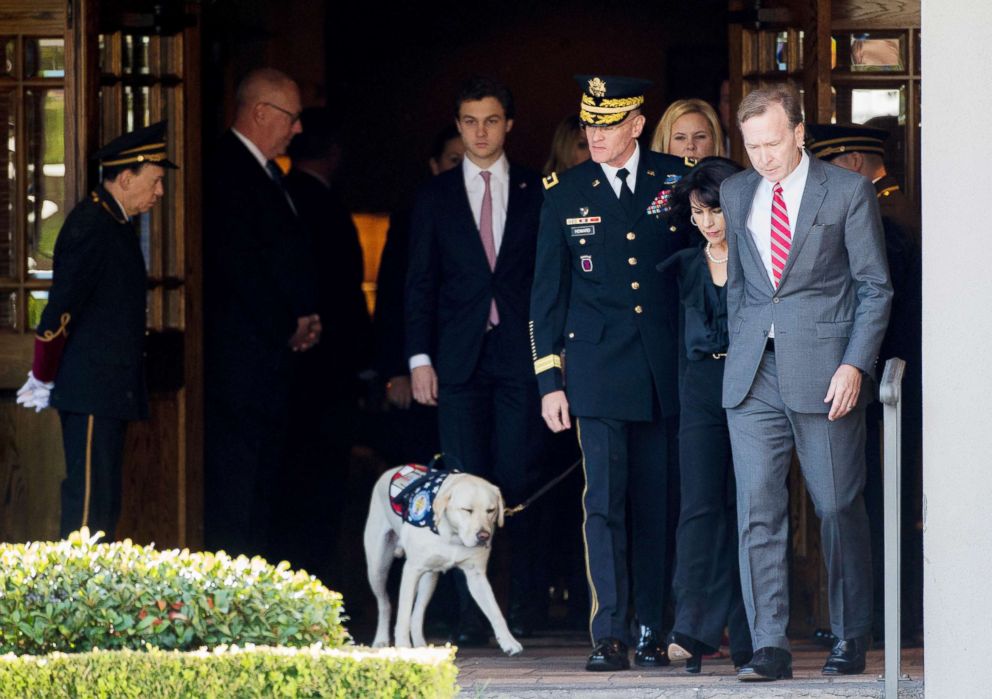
point(448, 522)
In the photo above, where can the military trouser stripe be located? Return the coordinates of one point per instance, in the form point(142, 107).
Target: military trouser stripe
point(594, 598)
point(89, 470)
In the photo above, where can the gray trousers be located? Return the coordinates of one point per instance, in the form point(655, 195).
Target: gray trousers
point(763, 432)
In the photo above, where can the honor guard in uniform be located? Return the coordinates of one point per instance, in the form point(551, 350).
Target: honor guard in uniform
point(604, 343)
point(861, 149)
point(88, 352)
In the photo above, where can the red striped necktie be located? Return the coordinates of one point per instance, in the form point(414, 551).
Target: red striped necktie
point(781, 235)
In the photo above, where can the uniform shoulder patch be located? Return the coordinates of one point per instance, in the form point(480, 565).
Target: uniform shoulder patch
point(551, 180)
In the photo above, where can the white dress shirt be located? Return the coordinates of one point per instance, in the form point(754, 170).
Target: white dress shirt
point(759, 221)
point(475, 187)
point(631, 165)
point(499, 188)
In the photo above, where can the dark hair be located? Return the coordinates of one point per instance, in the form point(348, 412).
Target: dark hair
point(441, 140)
point(477, 88)
point(319, 137)
point(109, 173)
point(704, 181)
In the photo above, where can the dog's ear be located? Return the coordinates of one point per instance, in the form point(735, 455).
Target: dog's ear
point(440, 505)
point(500, 506)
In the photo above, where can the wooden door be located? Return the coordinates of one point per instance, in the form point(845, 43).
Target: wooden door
point(80, 73)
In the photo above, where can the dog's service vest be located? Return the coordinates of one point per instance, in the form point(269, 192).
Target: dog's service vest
point(412, 491)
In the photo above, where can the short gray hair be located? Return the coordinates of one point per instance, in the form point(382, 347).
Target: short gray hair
point(757, 102)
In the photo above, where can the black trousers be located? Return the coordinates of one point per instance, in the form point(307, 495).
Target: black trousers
point(707, 583)
point(492, 425)
point(626, 461)
point(91, 491)
point(243, 449)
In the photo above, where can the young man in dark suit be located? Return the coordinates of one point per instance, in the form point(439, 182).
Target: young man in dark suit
point(88, 354)
point(472, 244)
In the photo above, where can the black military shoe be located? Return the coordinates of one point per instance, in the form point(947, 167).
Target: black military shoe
point(847, 657)
point(609, 655)
point(650, 650)
point(766, 664)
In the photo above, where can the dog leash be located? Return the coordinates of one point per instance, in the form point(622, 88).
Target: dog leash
point(547, 486)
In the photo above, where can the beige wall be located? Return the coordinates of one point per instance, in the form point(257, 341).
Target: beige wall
point(957, 332)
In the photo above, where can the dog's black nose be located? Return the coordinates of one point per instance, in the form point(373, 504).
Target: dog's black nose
point(483, 537)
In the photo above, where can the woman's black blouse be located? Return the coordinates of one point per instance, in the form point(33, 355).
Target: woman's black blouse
point(704, 302)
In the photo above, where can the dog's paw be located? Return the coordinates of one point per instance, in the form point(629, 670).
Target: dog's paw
point(511, 647)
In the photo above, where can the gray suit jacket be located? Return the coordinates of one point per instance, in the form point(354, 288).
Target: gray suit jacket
point(832, 305)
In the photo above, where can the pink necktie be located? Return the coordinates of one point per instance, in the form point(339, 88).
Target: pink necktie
point(781, 235)
point(488, 240)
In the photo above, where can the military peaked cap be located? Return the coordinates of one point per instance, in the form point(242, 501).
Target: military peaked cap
point(145, 145)
point(831, 140)
point(609, 99)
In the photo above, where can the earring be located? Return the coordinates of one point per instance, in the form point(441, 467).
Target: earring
point(692, 219)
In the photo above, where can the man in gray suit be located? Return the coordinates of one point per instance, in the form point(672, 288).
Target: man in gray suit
point(808, 298)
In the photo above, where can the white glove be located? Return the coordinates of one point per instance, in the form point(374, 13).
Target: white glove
point(34, 393)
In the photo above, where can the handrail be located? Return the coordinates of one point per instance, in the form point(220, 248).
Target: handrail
point(890, 393)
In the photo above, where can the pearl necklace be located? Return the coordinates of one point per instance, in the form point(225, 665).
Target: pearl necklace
point(713, 259)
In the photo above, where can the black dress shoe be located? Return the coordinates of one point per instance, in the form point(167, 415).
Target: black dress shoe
point(824, 637)
point(741, 658)
point(847, 657)
point(682, 647)
point(650, 651)
point(609, 655)
point(767, 664)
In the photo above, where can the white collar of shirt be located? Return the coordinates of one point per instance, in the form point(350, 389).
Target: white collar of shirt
point(759, 220)
point(253, 149)
point(499, 190)
point(631, 165)
point(120, 206)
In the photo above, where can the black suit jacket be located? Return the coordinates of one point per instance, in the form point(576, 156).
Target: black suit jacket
point(449, 284)
point(390, 350)
point(99, 287)
point(258, 280)
point(336, 252)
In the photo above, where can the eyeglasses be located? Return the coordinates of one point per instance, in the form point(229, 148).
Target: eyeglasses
point(293, 117)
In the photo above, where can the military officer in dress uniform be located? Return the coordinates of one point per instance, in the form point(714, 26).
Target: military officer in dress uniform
point(88, 352)
point(599, 308)
point(861, 149)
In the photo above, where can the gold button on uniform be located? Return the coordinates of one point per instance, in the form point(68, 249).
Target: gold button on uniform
point(582, 241)
point(631, 236)
point(632, 261)
point(638, 309)
point(635, 285)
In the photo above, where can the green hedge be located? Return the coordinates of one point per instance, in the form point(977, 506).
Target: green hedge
point(77, 595)
point(232, 673)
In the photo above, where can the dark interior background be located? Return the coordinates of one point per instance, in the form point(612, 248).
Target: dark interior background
point(391, 71)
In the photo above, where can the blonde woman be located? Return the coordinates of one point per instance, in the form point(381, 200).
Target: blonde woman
point(689, 129)
point(569, 146)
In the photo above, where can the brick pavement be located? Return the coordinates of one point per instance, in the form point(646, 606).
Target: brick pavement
point(553, 666)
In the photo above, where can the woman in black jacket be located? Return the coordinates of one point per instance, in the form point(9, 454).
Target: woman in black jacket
point(707, 583)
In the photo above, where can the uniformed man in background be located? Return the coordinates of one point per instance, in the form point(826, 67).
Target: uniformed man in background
point(598, 301)
point(861, 149)
point(88, 352)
